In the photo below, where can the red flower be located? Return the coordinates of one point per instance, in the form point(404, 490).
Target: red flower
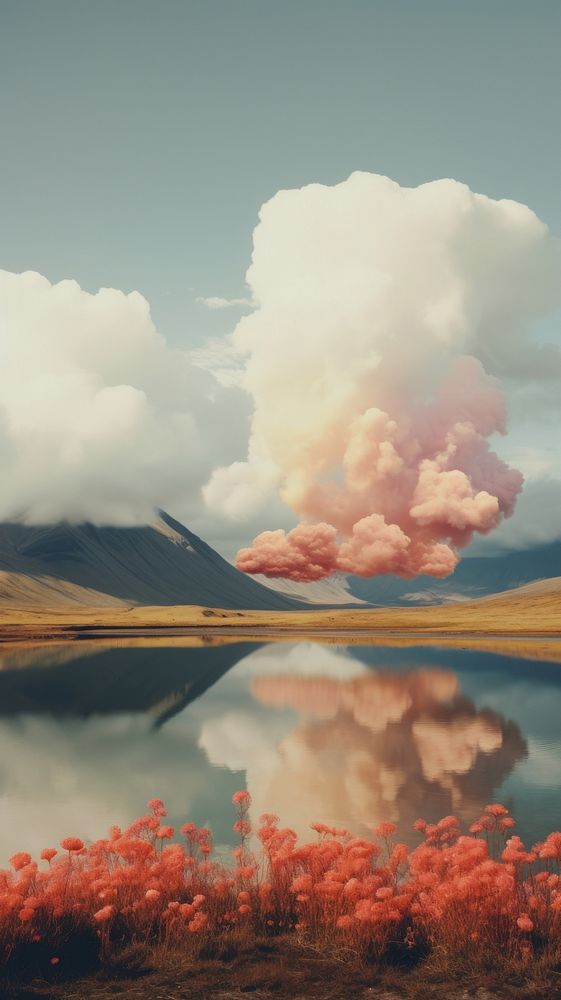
point(385, 830)
point(20, 860)
point(157, 807)
point(72, 844)
point(165, 832)
point(242, 799)
point(496, 810)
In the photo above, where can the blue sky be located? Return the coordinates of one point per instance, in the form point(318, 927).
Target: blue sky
point(139, 139)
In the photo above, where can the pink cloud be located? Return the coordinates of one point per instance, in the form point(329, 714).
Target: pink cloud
point(376, 309)
point(397, 491)
point(308, 552)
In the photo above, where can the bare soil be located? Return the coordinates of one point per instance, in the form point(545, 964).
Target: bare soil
point(283, 971)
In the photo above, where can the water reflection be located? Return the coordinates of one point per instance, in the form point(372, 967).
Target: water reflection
point(378, 746)
point(342, 736)
point(84, 679)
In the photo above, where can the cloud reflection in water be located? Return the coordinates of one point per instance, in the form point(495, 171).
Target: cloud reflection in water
point(317, 734)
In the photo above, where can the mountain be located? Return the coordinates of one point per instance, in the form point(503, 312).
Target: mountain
point(166, 564)
point(163, 563)
point(332, 591)
point(476, 576)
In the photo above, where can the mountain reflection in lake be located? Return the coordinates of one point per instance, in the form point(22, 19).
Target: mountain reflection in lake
point(348, 736)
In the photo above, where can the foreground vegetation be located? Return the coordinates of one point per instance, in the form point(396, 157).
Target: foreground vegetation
point(477, 903)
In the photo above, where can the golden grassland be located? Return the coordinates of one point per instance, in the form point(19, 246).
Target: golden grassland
point(533, 611)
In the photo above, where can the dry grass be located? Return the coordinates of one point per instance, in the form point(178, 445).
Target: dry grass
point(280, 969)
point(532, 611)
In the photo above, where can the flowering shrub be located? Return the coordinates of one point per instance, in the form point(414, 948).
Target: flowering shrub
point(469, 893)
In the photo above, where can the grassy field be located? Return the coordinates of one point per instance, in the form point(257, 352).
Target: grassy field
point(533, 610)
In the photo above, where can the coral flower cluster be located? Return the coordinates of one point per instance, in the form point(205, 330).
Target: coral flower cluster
point(463, 892)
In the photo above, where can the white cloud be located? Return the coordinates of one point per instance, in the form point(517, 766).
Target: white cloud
point(367, 295)
point(218, 302)
point(99, 419)
point(241, 489)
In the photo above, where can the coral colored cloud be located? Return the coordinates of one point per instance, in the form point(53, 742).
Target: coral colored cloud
point(384, 319)
point(410, 489)
point(309, 552)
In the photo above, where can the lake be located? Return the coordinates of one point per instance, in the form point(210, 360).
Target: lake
point(347, 735)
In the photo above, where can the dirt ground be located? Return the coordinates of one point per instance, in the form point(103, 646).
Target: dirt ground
point(281, 972)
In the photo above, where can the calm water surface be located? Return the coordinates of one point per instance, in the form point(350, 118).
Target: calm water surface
point(344, 735)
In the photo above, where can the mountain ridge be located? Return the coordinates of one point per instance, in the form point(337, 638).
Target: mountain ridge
point(167, 564)
point(475, 576)
point(161, 564)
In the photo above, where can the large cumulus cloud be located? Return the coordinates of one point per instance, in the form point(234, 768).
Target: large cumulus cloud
point(385, 318)
point(99, 419)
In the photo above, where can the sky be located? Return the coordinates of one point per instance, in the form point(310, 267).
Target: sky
point(139, 142)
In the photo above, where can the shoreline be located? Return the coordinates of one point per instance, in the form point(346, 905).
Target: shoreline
point(257, 633)
point(96, 633)
point(527, 617)
point(544, 648)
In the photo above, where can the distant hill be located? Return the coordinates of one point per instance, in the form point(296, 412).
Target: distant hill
point(333, 591)
point(166, 564)
point(476, 576)
point(163, 564)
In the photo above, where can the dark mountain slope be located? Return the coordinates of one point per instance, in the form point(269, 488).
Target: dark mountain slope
point(166, 564)
point(163, 563)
